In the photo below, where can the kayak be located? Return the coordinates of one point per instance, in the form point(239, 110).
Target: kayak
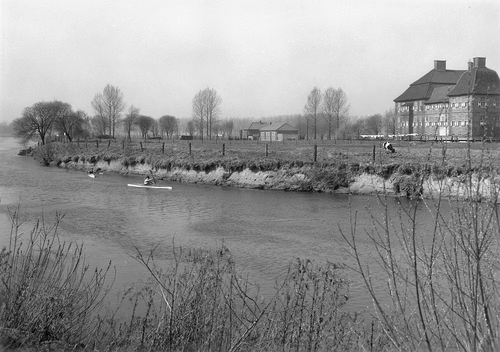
point(148, 186)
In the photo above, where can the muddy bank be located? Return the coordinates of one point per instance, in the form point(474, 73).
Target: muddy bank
point(398, 178)
point(303, 179)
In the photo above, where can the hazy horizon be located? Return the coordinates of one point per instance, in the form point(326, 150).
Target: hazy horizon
point(262, 58)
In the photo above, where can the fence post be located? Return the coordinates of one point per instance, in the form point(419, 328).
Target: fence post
point(123, 144)
point(109, 143)
point(374, 153)
point(97, 143)
point(267, 149)
point(141, 146)
point(223, 149)
point(315, 152)
point(189, 148)
point(163, 148)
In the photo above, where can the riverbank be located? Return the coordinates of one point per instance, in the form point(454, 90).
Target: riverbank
point(349, 169)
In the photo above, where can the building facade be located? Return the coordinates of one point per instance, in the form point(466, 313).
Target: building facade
point(253, 132)
point(451, 103)
point(278, 132)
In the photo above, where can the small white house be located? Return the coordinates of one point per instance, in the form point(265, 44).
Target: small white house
point(278, 132)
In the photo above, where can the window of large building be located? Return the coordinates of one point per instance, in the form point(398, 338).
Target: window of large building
point(482, 102)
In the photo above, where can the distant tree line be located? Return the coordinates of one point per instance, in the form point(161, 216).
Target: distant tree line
point(56, 119)
point(326, 115)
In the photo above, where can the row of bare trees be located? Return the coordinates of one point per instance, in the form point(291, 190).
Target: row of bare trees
point(332, 106)
point(43, 119)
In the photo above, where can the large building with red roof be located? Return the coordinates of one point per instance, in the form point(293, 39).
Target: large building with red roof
point(452, 103)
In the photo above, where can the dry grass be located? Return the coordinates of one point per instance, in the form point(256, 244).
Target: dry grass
point(360, 152)
point(49, 295)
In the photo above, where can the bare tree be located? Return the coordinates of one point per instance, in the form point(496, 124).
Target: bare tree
point(168, 125)
point(81, 129)
point(206, 109)
point(145, 123)
point(69, 122)
point(129, 120)
point(98, 125)
point(340, 109)
point(191, 127)
point(312, 108)
point(373, 124)
point(329, 109)
point(155, 129)
point(199, 111)
point(227, 127)
point(212, 108)
point(38, 120)
point(390, 122)
point(109, 105)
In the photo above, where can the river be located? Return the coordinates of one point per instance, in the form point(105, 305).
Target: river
point(264, 230)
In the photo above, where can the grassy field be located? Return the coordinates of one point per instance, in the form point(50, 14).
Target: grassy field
point(289, 152)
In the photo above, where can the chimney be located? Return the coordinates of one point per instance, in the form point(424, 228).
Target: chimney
point(440, 65)
point(480, 62)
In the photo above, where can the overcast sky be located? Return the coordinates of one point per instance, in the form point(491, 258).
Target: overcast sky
point(262, 57)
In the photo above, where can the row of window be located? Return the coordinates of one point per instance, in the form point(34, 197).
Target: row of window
point(482, 103)
point(445, 124)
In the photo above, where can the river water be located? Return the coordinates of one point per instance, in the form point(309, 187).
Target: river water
point(264, 230)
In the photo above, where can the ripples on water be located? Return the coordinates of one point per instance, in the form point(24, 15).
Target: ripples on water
point(264, 230)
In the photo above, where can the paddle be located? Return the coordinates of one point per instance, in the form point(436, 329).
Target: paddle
point(153, 176)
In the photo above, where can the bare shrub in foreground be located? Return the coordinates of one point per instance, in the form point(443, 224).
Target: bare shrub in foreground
point(442, 285)
point(48, 293)
point(200, 303)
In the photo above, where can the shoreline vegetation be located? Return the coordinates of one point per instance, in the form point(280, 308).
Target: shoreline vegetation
point(440, 292)
point(355, 167)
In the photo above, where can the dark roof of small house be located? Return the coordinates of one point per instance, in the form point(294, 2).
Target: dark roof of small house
point(439, 94)
point(280, 127)
point(422, 88)
point(257, 125)
point(482, 80)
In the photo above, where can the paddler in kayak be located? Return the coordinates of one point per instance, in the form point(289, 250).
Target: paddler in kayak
point(148, 181)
